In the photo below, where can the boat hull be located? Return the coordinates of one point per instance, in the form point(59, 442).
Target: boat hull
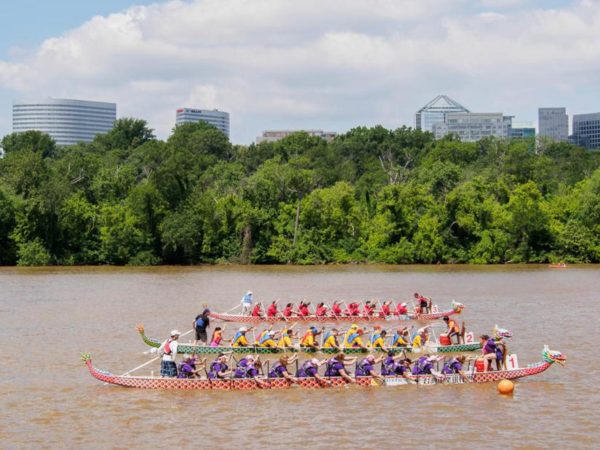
point(308, 383)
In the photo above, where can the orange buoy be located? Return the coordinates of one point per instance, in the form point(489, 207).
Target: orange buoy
point(506, 387)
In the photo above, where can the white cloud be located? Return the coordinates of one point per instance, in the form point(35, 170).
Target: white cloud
point(318, 64)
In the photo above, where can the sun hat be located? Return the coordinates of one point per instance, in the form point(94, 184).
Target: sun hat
point(175, 333)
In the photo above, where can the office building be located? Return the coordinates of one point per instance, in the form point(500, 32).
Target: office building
point(471, 127)
point(68, 122)
point(521, 130)
point(273, 136)
point(586, 130)
point(219, 119)
point(553, 124)
point(435, 111)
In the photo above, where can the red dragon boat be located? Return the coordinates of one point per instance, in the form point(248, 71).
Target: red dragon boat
point(456, 308)
point(152, 382)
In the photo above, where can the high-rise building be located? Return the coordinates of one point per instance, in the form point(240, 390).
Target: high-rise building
point(219, 119)
point(273, 136)
point(435, 111)
point(586, 130)
point(553, 123)
point(471, 127)
point(521, 130)
point(68, 122)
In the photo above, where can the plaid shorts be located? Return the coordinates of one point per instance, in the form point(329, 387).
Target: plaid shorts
point(168, 369)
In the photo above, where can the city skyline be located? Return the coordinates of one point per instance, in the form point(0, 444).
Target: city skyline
point(330, 66)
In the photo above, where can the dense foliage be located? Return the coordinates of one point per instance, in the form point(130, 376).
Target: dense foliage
point(371, 195)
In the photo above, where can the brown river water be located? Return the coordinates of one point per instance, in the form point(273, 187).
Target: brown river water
point(51, 315)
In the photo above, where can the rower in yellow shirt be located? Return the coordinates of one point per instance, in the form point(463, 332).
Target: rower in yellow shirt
point(378, 339)
point(355, 340)
point(309, 338)
point(239, 340)
point(330, 339)
point(268, 340)
point(421, 338)
point(400, 338)
point(350, 332)
point(286, 338)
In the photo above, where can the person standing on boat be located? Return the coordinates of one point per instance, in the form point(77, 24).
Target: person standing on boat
point(168, 348)
point(453, 329)
point(422, 303)
point(201, 323)
point(336, 367)
point(246, 303)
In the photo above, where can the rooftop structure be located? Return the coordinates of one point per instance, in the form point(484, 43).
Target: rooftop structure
point(435, 111)
point(471, 127)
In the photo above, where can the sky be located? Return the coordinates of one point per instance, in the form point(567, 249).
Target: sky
point(281, 64)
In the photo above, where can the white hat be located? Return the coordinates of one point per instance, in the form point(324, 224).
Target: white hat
point(250, 357)
point(175, 333)
point(249, 292)
point(243, 329)
point(403, 304)
point(315, 361)
point(271, 333)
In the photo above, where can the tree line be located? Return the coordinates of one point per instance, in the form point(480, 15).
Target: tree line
point(371, 195)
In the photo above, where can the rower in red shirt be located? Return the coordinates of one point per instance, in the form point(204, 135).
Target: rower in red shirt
point(303, 309)
point(369, 308)
point(385, 309)
point(335, 309)
point(288, 310)
point(353, 309)
point(321, 310)
point(272, 309)
point(257, 312)
point(401, 309)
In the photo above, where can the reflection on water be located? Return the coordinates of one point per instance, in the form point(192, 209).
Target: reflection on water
point(51, 315)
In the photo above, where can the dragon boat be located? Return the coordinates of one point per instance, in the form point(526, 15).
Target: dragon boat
point(193, 349)
point(153, 382)
point(456, 308)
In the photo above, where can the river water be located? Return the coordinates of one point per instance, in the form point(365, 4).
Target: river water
point(51, 315)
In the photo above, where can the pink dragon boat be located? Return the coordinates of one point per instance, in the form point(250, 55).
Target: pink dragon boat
point(456, 308)
point(235, 384)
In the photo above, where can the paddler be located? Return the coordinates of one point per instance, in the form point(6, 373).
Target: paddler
point(190, 367)
point(217, 337)
point(239, 340)
point(288, 310)
point(303, 309)
point(310, 369)
point(385, 309)
point(354, 339)
point(378, 339)
point(330, 339)
point(336, 309)
point(425, 366)
point(401, 309)
point(453, 329)
point(321, 310)
point(268, 340)
point(309, 338)
point(286, 338)
point(455, 365)
point(421, 338)
point(366, 368)
point(219, 368)
point(248, 367)
point(336, 367)
point(272, 309)
point(400, 338)
point(257, 310)
point(280, 369)
point(369, 308)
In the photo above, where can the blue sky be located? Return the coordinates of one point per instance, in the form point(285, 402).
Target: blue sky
point(276, 64)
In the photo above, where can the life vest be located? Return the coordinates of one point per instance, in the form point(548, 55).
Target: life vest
point(277, 370)
point(331, 371)
point(301, 373)
point(306, 336)
point(360, 369)
point(352, 338)
point(453, 326)
point(374, 338)
point(242, 369)
point(264, 337)
point(215, 368)
point(387, 366)
point(167, 347)
point(237, 337)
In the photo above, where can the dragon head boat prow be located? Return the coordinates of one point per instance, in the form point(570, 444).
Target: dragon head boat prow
point(140, 328)
point(501, 332)
point(457, 307)
point(552, 356)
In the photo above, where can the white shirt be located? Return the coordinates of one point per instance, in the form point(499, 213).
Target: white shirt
point(173, 347)
point(247, 300)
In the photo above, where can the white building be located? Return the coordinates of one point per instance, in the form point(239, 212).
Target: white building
point(471, 127)
point(553, 123)
point(273, 136)
point(67, 121)
point(219, 119)
point(435, 111)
